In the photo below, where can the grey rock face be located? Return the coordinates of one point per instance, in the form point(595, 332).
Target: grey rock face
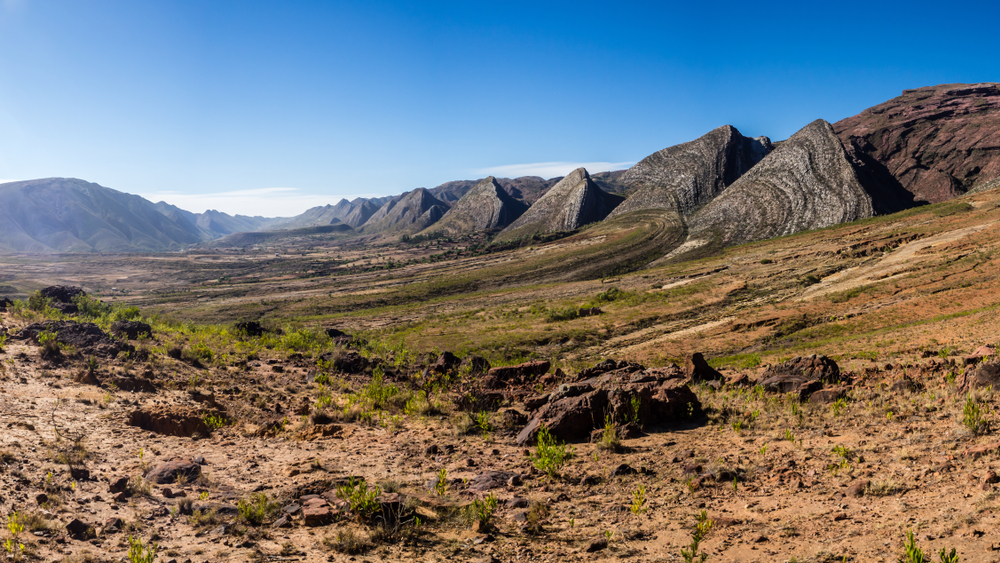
point(485, 207)
point(806, 183)
point(685, 177)
point(573, 202)
point(408, 213)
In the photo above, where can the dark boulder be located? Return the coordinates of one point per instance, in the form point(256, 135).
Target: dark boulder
point(4, 303)
point(61, 297)
point(170, 471)
point(250, 328)
point(446, 363)
point(699, 370)
point(575, 410)
point(475, 365)
point(131, 329)
point(87, 338)
point(828, 395)
point(983, 374)
point(812, 368)
point(500, 377)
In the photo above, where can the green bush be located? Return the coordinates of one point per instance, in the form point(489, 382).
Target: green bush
point(550, 454)
point(362, 500)
point(139, 553)
point(257, 509)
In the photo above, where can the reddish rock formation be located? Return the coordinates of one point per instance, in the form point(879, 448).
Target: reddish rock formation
point(936, 142)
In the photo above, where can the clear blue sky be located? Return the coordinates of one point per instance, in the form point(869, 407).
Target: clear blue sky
point(271, 107)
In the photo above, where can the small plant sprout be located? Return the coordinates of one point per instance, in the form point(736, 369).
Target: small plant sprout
point(139, 553)
point(763, 449)
point(481, 511)
point(702, 527)
point(550, 454)
point(441, 485)
point(974, 415)
point(838, 406)
point(15, 525)
point(638, 500)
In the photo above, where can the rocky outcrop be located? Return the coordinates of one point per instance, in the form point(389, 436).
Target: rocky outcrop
point(572, 203)
point(806, 183)
point(486, 207)
point(684, 177)
point(87, 338)
point(408, 213)
point(627, 394)
point(935, 143)
point(802, 375)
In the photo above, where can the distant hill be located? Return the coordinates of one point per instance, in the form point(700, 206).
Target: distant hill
point(572, 203)
point(406, 214)
point(213, 224)
point(70, 215)
point(237, 240)
point(486, 207)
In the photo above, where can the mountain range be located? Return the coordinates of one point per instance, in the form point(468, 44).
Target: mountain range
point(925, 146)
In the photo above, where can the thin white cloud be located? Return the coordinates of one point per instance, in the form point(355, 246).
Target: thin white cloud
point(551, 169)
point(266, 202)
point(7, 181)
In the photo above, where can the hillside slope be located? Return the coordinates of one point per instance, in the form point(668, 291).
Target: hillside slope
point(71, 215)
point(935, 142)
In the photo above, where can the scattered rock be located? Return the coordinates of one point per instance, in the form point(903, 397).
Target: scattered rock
point(576, 409)
point(249, 328)
point(828, 395)
point(597, 545)
point(857, 489)
point(62, 297)
point(79, 530)
point(490, 480)
point(171, 420)
point(475, 365)
point(169, 472)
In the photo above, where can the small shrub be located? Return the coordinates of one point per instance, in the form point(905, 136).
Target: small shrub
point(701, 529)
point(362, 500)
point(974, 415)
point(537, 513)
point(349, 542)
point(550, 454)
point(139, 553)
point(610, 441)
point(482, 510)
point(214, 422)
point(638, 500)
point(257, 509)
point(441, 485)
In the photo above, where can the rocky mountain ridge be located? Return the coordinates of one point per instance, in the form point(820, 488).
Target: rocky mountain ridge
point(926, 145)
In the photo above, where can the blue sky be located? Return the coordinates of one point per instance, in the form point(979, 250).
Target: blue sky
point(271, 107)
